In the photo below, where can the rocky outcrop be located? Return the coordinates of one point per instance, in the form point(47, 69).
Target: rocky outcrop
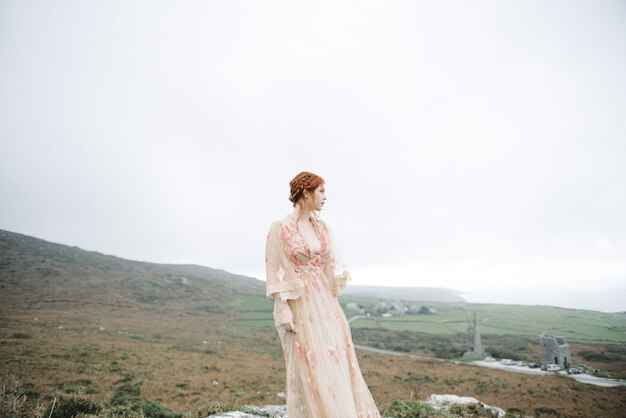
point(438, 402)
point(444, 402)
point(251, 411)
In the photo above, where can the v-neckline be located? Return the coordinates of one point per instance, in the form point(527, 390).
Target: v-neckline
point(308, 246)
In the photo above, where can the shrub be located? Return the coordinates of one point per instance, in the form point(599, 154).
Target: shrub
point(117, 412)
point(471, 410)
point(152, 409)
point(424, 310)
point(214, 407)
point(80, 389)
point(503, 352)
point(127, 378)
point(16, 401)
point(481, 387)
point(514, 411)
point(545, 411)
point(408, 409)
point(593, 356)
point(71, 405)
point(443, 352)
point(419, 378)
point(401, 348)
point(127, 394)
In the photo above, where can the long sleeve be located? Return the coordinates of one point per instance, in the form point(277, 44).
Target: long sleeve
point(334, 268)
point(281, 279)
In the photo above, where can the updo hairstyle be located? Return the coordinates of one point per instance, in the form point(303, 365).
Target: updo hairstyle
point(303, 181)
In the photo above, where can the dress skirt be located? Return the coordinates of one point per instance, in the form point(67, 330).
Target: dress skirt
point(323, 375)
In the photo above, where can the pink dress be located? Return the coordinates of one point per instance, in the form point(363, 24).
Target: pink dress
point(323, 376)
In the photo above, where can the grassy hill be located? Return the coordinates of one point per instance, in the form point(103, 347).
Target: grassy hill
point(37, 274)
point(172, 337)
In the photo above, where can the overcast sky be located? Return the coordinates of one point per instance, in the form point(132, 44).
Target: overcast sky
point(479, 146)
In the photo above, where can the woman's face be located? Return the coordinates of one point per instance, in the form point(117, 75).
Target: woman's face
point(319, 197)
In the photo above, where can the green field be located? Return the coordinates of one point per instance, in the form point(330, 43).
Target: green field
point(452, 319)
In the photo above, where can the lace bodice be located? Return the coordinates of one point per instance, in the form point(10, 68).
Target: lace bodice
point(299, 250)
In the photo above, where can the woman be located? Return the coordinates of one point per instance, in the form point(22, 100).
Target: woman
point(304, 277)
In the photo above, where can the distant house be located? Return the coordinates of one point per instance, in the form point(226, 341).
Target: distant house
point(397, 308)
point(355, 307)
point(555, 350)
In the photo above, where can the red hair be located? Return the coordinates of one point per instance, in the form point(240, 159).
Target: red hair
point(301, 182)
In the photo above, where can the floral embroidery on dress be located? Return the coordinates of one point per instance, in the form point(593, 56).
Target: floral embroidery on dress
point(296, 243)
point(300, 351)
point(353, 369)
point(312, 357)
point(333, 354)
point(303, 277)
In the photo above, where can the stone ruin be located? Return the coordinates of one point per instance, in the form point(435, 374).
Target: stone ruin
point(555, 350)
point(476, 351)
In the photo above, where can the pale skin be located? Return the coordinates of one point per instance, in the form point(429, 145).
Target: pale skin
point(309, 202)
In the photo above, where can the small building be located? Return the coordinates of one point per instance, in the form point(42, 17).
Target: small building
point(555, 350)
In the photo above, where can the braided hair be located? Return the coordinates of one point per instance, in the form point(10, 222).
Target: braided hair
point(303, 181)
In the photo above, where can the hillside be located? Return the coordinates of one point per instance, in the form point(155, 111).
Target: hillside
point(37, 274)
point(173, 337)
point(123, 331)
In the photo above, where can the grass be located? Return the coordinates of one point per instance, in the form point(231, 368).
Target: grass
point(126, 403)
point(247, 363)
point(452, 319)
point(255, 302)
point(92, 318)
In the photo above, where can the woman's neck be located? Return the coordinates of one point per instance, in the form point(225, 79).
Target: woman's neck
point(305, 213)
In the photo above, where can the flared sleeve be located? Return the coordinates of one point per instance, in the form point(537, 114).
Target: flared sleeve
point(281, 279)
point(334, 268)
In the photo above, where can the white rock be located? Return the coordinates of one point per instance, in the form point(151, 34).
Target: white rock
point(274, 411)
point(444, 401)
point(234, 414)
point(439, 401)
